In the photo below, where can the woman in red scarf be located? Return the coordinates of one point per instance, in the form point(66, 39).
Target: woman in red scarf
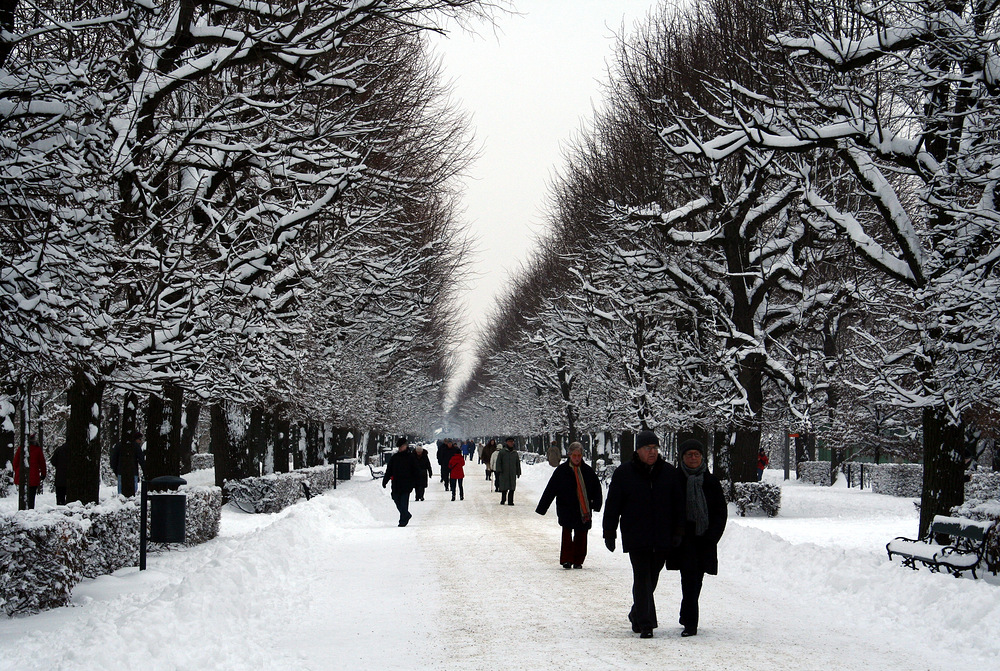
point(578, 495)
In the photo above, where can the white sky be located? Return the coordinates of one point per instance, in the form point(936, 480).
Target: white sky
point(528, 86)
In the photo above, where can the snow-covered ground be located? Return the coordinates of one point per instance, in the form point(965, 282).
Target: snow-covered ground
point(333, 583)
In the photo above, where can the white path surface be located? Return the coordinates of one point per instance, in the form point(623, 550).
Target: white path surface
point(333, 583)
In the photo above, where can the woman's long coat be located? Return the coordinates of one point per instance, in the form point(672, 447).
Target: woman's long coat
point(423, 469)
point(562, 488)
point(508, 469)
point(700, 553)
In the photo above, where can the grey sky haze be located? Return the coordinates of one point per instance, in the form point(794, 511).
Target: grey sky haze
point(529, 85)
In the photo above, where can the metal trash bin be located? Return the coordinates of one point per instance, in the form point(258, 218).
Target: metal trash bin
point(343, 470)
point(167, 510)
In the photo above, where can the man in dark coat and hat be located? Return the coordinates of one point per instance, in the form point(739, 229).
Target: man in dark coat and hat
point(578, 495)
point(403, 471)
point(702, 525)
point(643, 498)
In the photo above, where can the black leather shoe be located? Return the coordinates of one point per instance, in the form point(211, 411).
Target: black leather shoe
point(646, 633)
point(577, 565)
point(689, 631)
point(567, 565)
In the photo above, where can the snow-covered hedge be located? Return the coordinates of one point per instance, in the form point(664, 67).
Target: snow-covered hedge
point(983, 486)
point(897, 479)
point(749, 496)
point(201, 461)
point(6, 481)
point(203, 513)
point(982, 503)
point(42, 558)
point(276, 491)
point(814, 472)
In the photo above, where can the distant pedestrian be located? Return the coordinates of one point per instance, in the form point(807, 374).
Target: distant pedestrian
point(58, 461)
point(762, 461)
point(36, 469)
point(554, 454)
point(424, 472)
point(578, 495)
point(508, 470)
point(402, 471)
point(127, 460)
point(703, 523)
point(457, 467)
point(443, 455)
point(643, 497)
point(486, 457)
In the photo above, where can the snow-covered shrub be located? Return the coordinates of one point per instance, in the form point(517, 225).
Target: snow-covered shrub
point(201, 461)
point(42, 559)
point(897, 479)
point(275, 492)
point(203, 513)
point(814, 472)
point(749, 496)
point(982, 503)
point(111, 534)
point(6, 481)
point(983, 486)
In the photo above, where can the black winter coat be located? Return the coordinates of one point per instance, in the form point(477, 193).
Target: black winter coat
point(700, 553)
point(562, 488)
point(402, 470)
point(645, 500)
point(423, 469)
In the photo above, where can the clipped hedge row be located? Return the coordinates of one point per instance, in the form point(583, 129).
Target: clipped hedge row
point(48, 553)
point(982, 503)
point(897, 479)
point(814, 472)
point(201, 461)
point(749, 496)
point(42, 555)
point(276, 491)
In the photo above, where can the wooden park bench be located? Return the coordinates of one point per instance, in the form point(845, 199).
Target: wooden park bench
point(377, 473)
point(969, 539)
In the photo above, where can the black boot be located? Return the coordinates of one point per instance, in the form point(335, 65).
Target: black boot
point(510, 499)
point(503, 498)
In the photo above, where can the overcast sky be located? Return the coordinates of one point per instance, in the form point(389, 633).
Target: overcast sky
point(529, 85)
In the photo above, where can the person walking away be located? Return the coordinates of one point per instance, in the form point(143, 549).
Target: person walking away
point(402, 472)
point(762, 461)
point(554, 454)
point(457, 467)
point(578, 495)
point(36, 469)
point(424, 472)
point(703, 524)
point(486, 457)
point(443, 455)
point(643, 499)
point(508, 470)
point(127, 460)
point(58, 461)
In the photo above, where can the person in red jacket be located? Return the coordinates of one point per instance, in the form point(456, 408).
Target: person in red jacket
point(762, 462)
point(36, 468)
point(456, 465)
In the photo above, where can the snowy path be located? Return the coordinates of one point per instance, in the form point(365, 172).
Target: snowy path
point(334, 584)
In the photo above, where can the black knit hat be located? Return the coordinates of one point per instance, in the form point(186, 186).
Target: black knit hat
point(691, 444)
point(644, 438)
point(401, 442)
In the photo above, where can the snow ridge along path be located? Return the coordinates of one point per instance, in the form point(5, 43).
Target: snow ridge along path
point(470, 585)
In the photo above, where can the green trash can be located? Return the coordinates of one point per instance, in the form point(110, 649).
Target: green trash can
point(167, 510)
point(343, 470)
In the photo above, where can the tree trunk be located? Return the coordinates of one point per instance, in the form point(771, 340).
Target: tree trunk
point(944, 467)
point(296, 447)
point(218, 442)
point(281, 439)
point(7, 411)
point(83, 439)
point(720, 455)
point(189, 429)
point(163, 439)
point(314, 450)
point(743, 455)
point(626, 446)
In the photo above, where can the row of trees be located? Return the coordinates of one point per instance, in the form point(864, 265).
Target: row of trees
point(222, 202)
point(783, 217)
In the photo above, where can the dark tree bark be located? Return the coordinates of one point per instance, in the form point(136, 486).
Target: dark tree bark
point(282, 439)
point(218, 441)
point(295, 445)
point(944, 467)
point(626, 446)
point(163, 440)
point(83, 447)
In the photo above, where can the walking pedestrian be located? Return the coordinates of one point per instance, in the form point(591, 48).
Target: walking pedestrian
point(643, 498)
point(402, 471)
point(36, 469)
point(58, 461)
point(486, 457)
point(457, 467)
point(508, 470)
point(578, 495)
point(443, 455)
point(554, 454)
point(703, 524)
point(762, 461)
point(127, 460)
point(424, 472)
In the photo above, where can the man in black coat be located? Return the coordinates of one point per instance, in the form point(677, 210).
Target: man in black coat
point(578, 495)
point(403, 471)
point(643, 498)
point(703, 522)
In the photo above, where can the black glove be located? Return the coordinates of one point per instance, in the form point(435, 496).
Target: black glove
point(610, 543)
point(384, 484)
